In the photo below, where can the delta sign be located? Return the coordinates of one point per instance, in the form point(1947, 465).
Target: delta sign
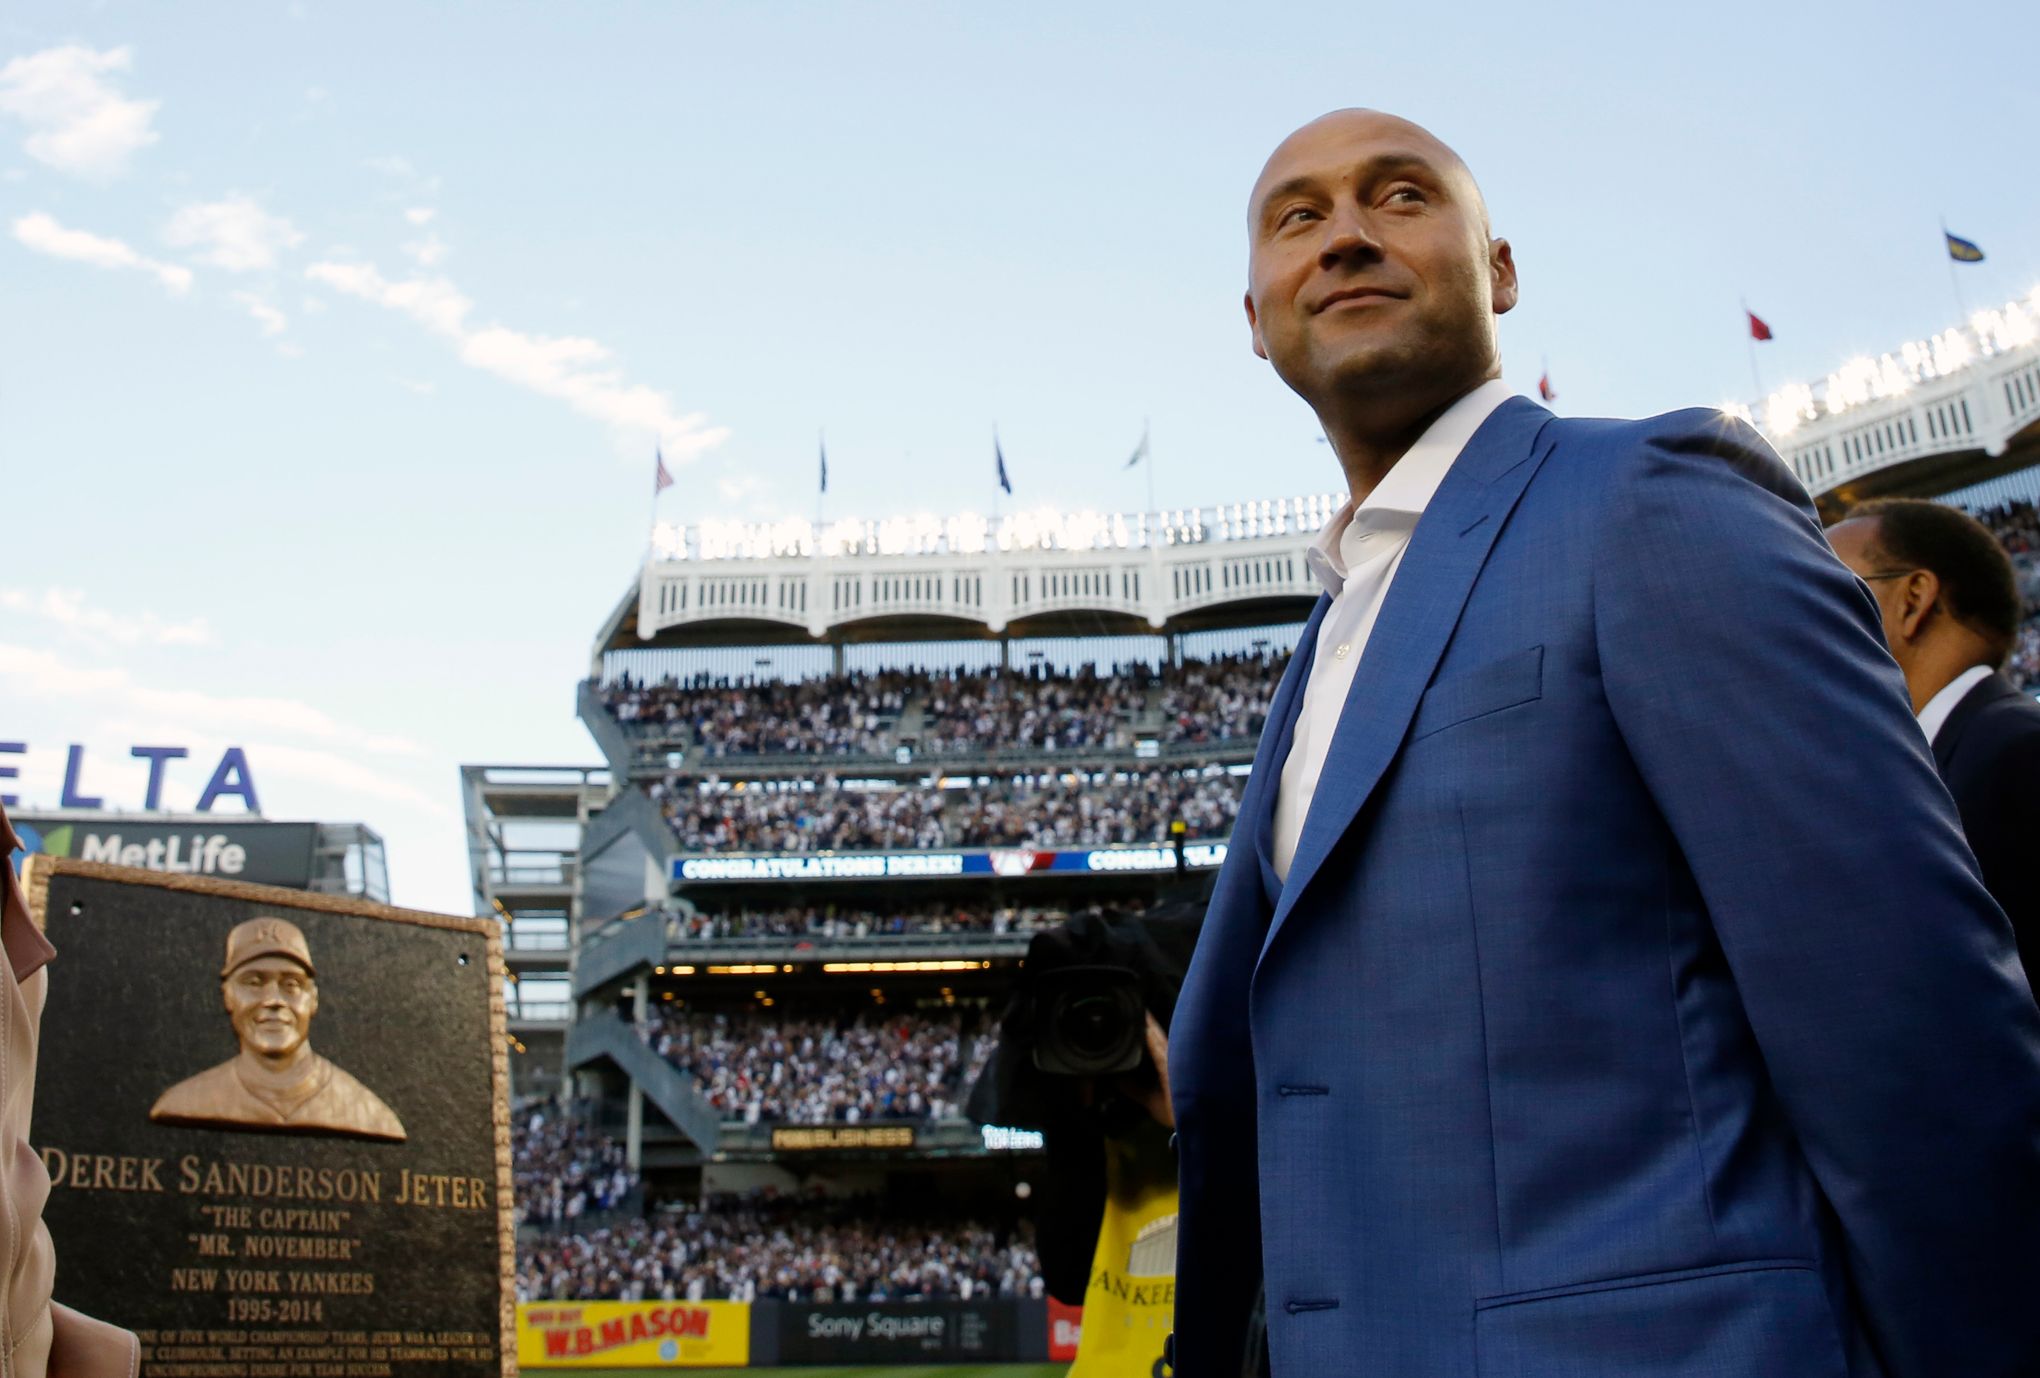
point(229, 779)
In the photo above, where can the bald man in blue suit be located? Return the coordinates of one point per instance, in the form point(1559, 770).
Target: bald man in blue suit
point(1598, 985)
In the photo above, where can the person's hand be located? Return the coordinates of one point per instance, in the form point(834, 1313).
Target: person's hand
point(1152, 1095)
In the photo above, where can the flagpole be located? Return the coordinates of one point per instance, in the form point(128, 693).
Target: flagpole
point(1148, 458)
point(1750, 339)
point(652, 531)
point(1954, 276)
point(822, 488)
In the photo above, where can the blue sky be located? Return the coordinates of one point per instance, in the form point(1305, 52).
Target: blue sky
point(337, 336)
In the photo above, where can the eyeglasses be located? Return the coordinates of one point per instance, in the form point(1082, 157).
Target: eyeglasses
point(1889, 574)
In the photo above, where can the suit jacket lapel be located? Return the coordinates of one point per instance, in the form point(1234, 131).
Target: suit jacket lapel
point(1417, 619)
point(1987, 690)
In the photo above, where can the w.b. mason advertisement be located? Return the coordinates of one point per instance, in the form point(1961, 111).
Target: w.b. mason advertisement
point(275, 1126)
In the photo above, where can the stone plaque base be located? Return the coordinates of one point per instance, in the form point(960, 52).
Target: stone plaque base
point(276, 1126)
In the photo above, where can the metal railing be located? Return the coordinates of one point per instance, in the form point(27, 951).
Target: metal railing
point(561, 873)
point(545, 941)
point(868, 942)
point(998, 760)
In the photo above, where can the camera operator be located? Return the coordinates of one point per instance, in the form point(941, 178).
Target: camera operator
point(1083, 1057)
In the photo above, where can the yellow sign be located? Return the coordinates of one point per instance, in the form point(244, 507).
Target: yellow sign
point(1130, 1302)
point(633, 1334)
point(843, 1136)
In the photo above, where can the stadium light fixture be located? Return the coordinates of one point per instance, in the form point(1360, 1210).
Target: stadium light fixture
point(1986, 334)
point(944, 964)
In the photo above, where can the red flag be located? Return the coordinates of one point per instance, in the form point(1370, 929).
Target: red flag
point(1758, 330)
point(662, 479)
point(1544, 388)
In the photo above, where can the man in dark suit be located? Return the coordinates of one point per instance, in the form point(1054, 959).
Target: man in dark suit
point(1598, 983)
point(1950, 601)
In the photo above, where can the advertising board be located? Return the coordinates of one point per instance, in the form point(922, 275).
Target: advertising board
point(633, 1334)
point(1004, 862)
point(260, 853)
point(895, 1332)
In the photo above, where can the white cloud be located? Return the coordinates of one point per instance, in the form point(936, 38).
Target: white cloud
point(272, 321)
point(426, 252)
point(79, 123)
point(235, 234)
point(43, 234)
point(417, 385)
point(570, 369)
point(420, 215)
point(68, 608)
point(399, 168)
point(37, 673)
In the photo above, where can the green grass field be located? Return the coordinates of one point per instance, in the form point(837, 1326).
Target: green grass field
point(918, 1371)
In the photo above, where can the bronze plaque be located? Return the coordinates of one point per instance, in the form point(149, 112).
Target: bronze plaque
point(276, 1126)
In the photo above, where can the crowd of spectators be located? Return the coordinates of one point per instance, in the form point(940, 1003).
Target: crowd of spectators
point(836, 715)
point(562, 1169)
point(800, 1249)
point(836, 921)
point(1060, 813)
point(1046, 813)
point(879, 1065)
point(1037, 709)
point(960, 711)
point(1217, 700)
point(712, 818)
point(2017, 527)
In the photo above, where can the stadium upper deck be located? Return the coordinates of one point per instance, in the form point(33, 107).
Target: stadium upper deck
point(1923, 419)
point(1931, 416)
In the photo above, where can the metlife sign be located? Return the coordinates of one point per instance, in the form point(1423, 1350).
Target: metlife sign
point(266, 853)
point(992, 861)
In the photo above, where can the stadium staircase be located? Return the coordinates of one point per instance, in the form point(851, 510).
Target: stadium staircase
point(666, 1086)
point(911, 723)
point(615, 744)
point(619, 951)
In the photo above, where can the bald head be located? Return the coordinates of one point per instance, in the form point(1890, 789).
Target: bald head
point(1339, 126)
point(1373, 283)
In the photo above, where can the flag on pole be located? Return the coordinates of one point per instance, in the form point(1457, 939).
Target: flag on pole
point(1758, 330)
point(662, 478)
point(999, 458)
point(1140, 451)
point(1544, 388)
point(825, 465)
point(1962, 250)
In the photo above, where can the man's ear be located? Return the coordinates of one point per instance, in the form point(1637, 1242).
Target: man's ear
point(1918, 598)
point(1254, 325)
point(1502, 273)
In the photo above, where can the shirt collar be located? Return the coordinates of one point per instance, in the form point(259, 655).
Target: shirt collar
point(1407, 488)
point(1935, 715)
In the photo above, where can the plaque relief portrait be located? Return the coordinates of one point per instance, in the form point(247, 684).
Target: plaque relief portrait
point(276, 1082)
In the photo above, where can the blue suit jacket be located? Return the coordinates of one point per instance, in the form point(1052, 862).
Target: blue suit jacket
point(1633, 1007)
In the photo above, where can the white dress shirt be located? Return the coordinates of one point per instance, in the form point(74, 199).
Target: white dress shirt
point(1935, 715)
point(1355, 558)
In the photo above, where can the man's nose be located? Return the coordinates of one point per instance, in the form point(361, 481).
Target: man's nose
point(1347, 237)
